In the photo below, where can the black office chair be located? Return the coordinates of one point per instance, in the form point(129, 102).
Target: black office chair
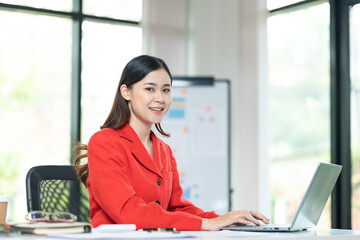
point(52, 188)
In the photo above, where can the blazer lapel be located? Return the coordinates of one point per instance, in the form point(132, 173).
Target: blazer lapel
point(157, 159)
point(138, 149)
point(140, 153)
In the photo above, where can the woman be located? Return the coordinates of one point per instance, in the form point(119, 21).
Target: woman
point(131, 175)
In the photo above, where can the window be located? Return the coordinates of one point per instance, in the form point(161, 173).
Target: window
point(299, 105)
point(274, 4)
point(355, 112)
point(63, 5)
point(106, 50)
point(123, 9)
point(37, 81)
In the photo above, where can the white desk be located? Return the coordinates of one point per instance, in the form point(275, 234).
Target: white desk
point(332, 234)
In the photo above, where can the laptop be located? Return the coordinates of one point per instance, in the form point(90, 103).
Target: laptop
point(312, 204)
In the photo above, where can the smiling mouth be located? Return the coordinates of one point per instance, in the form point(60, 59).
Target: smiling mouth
point(157, 109)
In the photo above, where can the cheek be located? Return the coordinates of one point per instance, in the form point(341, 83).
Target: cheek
point(168, 99)
point(141, 98)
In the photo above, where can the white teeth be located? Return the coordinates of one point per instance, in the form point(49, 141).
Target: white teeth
point(157, 109)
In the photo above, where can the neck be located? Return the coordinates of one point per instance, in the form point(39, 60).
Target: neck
point(142, 130)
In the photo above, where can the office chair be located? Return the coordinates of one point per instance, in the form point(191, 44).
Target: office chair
point(53, 188)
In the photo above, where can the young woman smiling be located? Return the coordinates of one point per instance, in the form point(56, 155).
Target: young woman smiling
point(131, 175)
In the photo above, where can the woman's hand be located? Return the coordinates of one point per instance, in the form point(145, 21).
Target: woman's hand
point(234, 217)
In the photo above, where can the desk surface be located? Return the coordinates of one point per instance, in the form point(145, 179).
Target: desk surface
point(333, 234)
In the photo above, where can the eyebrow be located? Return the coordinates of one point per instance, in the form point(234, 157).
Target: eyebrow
point(154, 84)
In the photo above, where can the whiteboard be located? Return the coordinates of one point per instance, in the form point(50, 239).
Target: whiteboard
point(198, 122)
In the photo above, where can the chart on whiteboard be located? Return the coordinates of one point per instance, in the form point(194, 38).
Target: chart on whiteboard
point(198, 122)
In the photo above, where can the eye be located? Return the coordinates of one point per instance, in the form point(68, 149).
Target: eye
point(150, 89)
point(166, 90)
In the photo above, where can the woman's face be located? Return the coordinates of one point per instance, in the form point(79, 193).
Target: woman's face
point(149, 99)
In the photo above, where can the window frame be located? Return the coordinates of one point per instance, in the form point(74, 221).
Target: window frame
point(77, 17)
point(340, 111)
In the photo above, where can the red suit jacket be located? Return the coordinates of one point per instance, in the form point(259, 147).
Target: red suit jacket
point(126, 186)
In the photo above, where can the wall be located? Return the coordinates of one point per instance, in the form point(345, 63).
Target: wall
point(165, 29)
point(225, 39)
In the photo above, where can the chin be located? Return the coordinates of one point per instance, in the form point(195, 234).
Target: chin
point(157, 121)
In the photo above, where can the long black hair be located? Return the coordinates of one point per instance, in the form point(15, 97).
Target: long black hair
point(119, 115)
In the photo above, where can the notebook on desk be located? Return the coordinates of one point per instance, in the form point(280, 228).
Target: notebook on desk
point(312, 204)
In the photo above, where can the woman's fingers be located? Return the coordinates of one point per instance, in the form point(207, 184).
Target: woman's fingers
point(250, 217)
point(235, 217)
point(243, 217)
point(259, 216)
point(245, 221)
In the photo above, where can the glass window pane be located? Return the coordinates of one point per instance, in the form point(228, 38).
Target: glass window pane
point(299, 105)
point(63, 5)
point(355, 112)
point(106, 50)
point(120, 9)
point(273, 4)
point(35, 79)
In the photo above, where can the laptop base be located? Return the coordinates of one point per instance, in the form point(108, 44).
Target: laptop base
point(263, 228)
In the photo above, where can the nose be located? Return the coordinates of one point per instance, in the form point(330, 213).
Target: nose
point(159, 96)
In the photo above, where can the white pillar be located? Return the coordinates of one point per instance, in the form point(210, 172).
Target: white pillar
point(165, 32)
point(252, 144)
point(227, 39)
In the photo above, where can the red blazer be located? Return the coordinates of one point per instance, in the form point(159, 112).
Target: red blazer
point(126, 186)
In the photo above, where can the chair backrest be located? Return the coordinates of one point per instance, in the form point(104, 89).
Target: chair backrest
point(54, 188)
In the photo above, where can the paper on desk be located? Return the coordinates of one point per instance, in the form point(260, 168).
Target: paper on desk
point(156, 235)
point(124, 235)
point(226, 233)
point(114, 228)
